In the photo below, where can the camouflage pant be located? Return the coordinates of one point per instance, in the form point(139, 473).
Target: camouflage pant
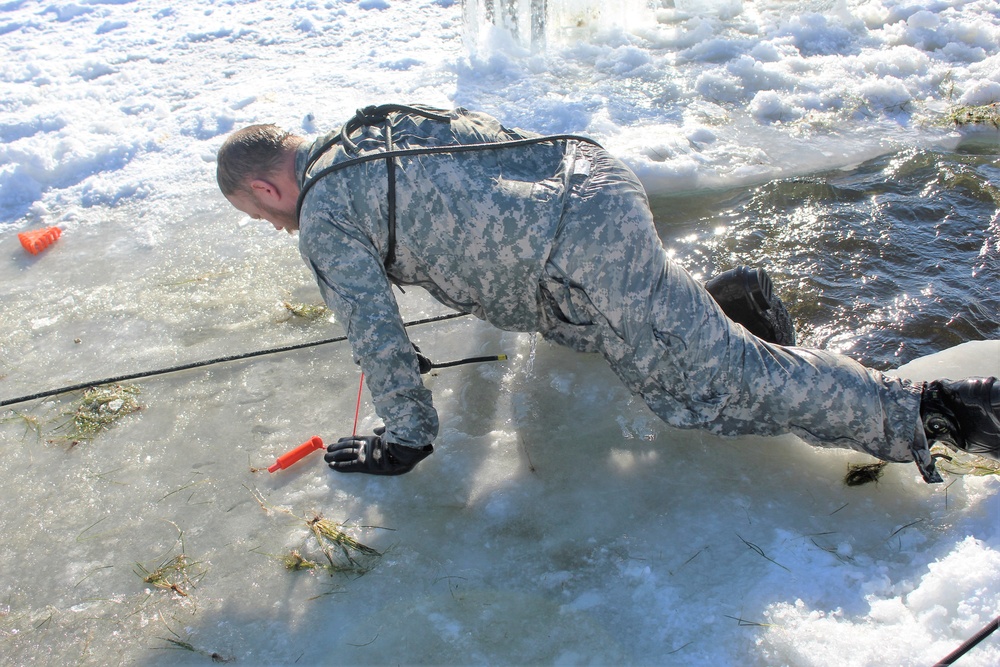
point(611, 288)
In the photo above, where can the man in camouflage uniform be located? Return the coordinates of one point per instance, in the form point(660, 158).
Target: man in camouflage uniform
point(553, 235)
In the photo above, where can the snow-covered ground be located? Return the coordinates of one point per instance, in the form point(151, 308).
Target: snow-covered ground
point(558, 521)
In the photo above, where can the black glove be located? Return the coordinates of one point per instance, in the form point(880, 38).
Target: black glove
point(425, 364)
point(373, 455)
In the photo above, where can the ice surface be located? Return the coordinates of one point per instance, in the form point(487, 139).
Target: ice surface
point(558, 521)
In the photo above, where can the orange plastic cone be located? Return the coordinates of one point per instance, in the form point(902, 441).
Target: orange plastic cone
point(40, 239)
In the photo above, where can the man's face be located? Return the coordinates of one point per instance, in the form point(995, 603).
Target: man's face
point(257, 208)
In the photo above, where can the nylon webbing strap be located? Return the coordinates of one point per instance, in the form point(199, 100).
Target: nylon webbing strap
point(374, 115)
point(434, 150)
point(390, 170)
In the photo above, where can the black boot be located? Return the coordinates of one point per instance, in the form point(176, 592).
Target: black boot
point(747, 297)
point(963, 414)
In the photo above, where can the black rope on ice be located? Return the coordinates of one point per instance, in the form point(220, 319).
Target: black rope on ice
point(970, 643)
point(210, 362)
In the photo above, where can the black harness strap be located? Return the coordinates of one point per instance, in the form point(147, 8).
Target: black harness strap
point(369, 115)
point(390, 170)
point(373, 115)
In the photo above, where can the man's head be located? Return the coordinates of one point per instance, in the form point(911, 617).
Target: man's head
point(256, 173)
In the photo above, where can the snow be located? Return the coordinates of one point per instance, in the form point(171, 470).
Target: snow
point(558, 522)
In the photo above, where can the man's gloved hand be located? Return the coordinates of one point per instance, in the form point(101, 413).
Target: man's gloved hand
point(371, 454)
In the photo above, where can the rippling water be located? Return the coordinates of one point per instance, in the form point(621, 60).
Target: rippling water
point(895, 259)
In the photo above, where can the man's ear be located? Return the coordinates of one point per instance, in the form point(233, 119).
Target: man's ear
point(265, 190)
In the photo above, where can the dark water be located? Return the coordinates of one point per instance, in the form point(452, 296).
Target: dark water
point(896, 259)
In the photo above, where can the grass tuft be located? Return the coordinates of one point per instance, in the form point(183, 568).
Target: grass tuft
point(294, 561)
point(99, 409)
point(179, 644)
point(177, 574)
point(32, 424)
point(955, 462)
point(864, 473)
point(988, 114)
point(306, 311)
point(186, 646)
point(343, 553)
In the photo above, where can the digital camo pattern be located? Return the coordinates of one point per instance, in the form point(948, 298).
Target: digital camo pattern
point(558, 238)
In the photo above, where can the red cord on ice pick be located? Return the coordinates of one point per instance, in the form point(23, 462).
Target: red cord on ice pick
point(303, 450)
point(307, 448)
point(357, 408)
point(314, 443)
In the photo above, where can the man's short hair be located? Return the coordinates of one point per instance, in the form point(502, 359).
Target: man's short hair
point(256, 151)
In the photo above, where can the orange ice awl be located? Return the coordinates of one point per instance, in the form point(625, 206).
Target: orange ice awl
point(303, 450)
point(40, 239)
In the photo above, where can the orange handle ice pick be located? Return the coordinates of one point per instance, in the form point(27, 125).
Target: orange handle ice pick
point(303, 450)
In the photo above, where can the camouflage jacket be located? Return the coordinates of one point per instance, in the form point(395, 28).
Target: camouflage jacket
point(474, 228)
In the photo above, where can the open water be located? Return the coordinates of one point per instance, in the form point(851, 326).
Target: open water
point(892, 260)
